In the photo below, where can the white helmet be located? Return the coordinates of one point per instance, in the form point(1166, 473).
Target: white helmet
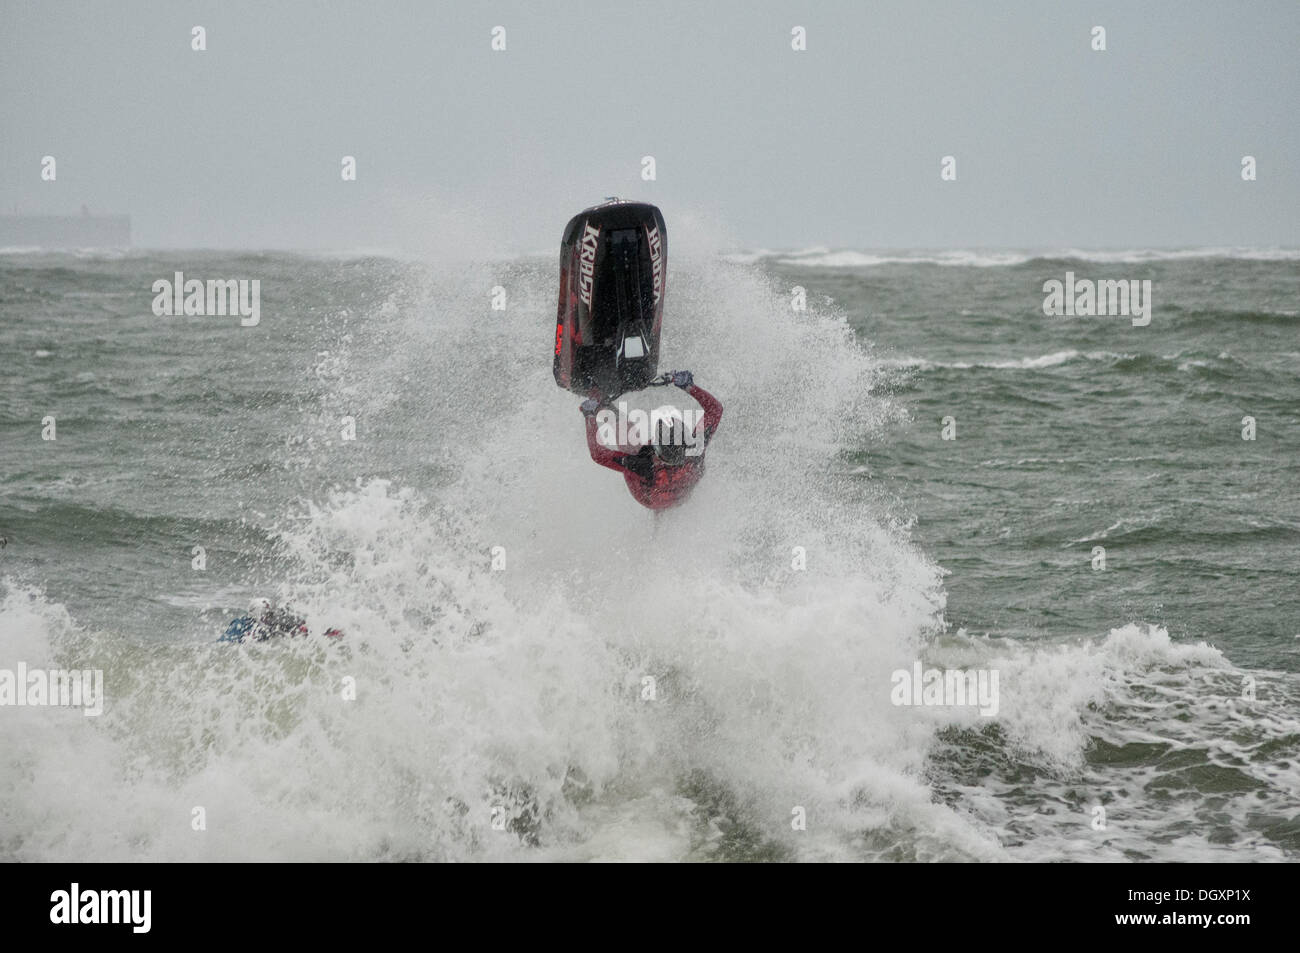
point(669, 438)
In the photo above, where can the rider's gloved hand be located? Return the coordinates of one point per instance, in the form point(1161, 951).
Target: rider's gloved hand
point(683, 379)
point(589, 407)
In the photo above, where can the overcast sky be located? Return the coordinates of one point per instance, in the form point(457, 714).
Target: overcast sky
point(755, 144)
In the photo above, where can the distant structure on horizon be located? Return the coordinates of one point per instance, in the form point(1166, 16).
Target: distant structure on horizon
point(65, 231)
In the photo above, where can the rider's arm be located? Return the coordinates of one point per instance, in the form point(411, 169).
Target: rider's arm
point(601, 454)
point(712, 410)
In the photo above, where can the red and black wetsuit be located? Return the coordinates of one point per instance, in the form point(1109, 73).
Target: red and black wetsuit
point(652, 483)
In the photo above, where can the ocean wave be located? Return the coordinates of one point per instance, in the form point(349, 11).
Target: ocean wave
point(81, 254)
point(485, 690)
point(1183, 361)
point(822, 257)
point(819, 258)
point(1054, 359)
point(1094, 720)
point(1142, 255)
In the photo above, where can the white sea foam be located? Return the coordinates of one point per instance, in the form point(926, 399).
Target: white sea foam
point(521, 691)
point(821, 257)
point(1039, 362)
point(1136, 687)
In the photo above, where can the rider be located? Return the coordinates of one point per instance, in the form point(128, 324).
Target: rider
point(265, 620)
point(663, 472)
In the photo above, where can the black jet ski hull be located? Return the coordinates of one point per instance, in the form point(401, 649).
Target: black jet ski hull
point(613, 275)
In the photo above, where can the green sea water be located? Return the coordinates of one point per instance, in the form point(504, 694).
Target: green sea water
point(1162, 689)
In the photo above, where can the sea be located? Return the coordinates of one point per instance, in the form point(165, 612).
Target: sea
point(918, 471)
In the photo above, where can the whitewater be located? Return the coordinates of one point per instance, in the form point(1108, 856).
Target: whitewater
point(533, 669)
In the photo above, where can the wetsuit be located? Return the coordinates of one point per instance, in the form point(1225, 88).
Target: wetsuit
point(274, 622)
point(652, 483)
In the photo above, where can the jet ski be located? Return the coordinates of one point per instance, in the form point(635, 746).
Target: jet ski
point(613, 272)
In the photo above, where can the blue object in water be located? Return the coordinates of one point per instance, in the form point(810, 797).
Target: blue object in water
point(238, 629)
